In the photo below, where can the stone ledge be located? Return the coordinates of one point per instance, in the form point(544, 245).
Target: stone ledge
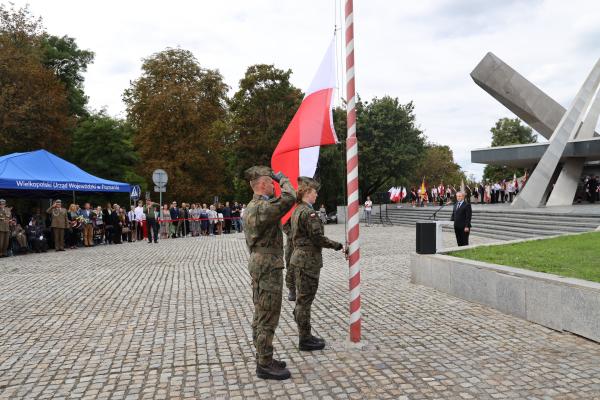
point(559, 303)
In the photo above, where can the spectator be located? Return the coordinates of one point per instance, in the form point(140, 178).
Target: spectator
point(75, 226)
point(235, 215)
point(117, 224)
point(132, 217)
point(152, 212)
point(204, 221)
point(195, 220)
point(88, 228)
point(184, 214)
point(368, 208)
point(323, 214)
point(227, 217)
point(126, 225)
point(4, 228)
point(19, 237)
point(108, 223)
point(140, 219)
point(35, 236)
point(175, 227)
point(98, 226)
point(242, 209)
point(213, 216)
point(165, 225)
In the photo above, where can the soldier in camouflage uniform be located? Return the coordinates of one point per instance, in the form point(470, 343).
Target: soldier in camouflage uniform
point(290, 275)
point(262, 228)
point(4, 228)
point(307, 260)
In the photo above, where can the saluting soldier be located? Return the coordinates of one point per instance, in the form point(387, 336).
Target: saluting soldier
point(308, 240)
point(290, 275)
point(4, 228)
point(59, 223)
point(264, 238)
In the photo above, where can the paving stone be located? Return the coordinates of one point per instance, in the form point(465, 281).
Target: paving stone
point(172, 320)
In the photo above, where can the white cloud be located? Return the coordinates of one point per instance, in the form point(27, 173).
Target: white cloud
point(421, 51)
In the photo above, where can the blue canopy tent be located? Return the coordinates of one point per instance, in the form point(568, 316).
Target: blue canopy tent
point(42, 174)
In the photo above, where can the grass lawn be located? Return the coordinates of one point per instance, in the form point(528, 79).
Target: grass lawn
point(575, 256)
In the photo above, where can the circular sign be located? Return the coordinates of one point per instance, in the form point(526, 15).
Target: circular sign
point(160, 178)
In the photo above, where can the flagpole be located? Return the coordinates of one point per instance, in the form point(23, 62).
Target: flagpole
point(353, 217)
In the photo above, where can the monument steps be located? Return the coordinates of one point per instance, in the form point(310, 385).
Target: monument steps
point(500, 224)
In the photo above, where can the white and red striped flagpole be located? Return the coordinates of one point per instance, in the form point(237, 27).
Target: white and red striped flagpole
point(352, 214)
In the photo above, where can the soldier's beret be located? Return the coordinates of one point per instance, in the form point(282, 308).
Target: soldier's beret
point(2, 201)
point(310, 182)
point(257, 171)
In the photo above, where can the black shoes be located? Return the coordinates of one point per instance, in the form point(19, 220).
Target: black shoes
point(292, 295)
point(273, 371)
point(311, 343)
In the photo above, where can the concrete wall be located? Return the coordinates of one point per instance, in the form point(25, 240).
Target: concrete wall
point(563, 304)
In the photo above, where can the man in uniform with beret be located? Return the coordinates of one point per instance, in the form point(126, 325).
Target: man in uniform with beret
point(4, 228)
point(307, 260)
point(264, 238)
point(59, 223)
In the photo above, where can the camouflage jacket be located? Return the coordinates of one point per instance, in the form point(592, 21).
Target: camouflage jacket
point(307, 229)
point(262, 225)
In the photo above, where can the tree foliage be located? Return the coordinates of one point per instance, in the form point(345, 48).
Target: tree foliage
point(34, 108)
point(507, 132)
point(68, 62)
point(176, 109)
point(260, 112)
point(437, 165)
point(103, 146)
point(390, 144)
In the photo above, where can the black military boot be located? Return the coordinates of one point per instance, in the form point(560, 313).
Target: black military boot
point(272, 371)
point(278, 363)
point(292, 295)
point(310, 344)
point(317, 339)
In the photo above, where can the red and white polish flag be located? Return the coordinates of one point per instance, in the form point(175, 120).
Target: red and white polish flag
point(297, 153)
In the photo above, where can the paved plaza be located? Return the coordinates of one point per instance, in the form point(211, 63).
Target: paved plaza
point(172, 320)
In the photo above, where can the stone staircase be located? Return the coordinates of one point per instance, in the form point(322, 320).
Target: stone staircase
point(499, 223)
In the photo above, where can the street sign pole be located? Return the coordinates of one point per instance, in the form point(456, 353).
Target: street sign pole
point(160, 179)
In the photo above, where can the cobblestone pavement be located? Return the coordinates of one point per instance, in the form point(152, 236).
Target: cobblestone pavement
point(172, 320)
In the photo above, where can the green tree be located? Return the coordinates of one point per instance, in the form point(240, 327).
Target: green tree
point(390, 144)
point(34, 108)
point(437, 164)
point(507, 132)
point(389, 148)
point(177, 110)
point(68, 61)
point(331, 170)
point(261, 110)
point(103, 146)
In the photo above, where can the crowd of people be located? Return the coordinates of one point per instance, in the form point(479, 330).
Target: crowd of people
point(74, 227)
point(485, 193)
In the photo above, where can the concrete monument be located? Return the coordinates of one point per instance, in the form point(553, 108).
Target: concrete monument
point(570, 132)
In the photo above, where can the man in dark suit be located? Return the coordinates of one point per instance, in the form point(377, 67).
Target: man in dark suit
point(461, 215)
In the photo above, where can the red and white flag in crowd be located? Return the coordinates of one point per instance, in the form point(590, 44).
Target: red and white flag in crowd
point(297, 153)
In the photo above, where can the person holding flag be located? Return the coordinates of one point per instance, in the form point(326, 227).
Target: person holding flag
point(264, 239)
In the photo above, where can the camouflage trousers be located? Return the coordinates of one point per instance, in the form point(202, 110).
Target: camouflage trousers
point(290, 275)
point(307, 266)
point(266, 271)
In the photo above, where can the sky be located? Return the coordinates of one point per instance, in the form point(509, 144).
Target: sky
point(420, 51)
